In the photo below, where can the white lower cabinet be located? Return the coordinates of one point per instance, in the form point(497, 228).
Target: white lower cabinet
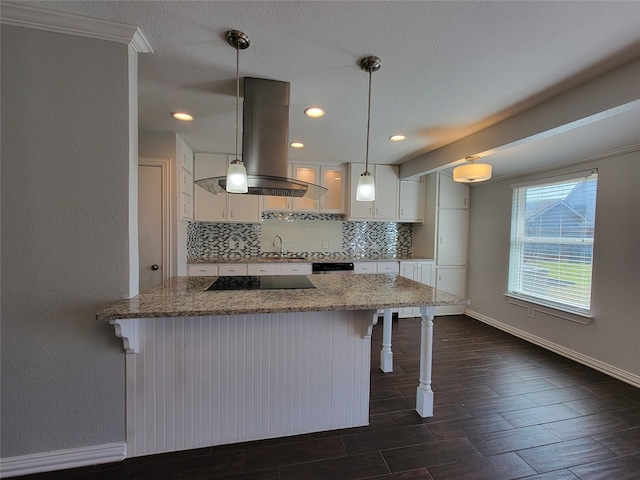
point(241, 269)
point(232, 269)
point(279, 269)
point(420, 271)
point(452, 280)
point(376, 267)
point(202, 270)
point(296, 269)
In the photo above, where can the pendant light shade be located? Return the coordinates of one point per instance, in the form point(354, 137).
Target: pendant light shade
point(366, 189)
point(237, 173)
point(237, 177)
point(472, 172)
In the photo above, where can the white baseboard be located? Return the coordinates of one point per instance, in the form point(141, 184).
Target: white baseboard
point(610, 370)
point(62, 459)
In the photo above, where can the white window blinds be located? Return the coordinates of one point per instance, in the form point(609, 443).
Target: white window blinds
point(551, 253)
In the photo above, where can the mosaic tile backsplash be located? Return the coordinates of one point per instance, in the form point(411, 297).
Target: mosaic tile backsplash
point(307, 235)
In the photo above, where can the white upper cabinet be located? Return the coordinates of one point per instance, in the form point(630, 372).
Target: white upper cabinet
point(184, 161)
point(385, 206)
point(309, 174)
point(223, 207)
point(329, 176)
point(332, 178)
point(411, 201)
point(452, 194)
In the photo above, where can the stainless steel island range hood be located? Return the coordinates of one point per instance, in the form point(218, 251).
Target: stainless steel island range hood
point(265, 143)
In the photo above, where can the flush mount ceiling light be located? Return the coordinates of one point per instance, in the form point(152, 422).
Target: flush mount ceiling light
point(237, 173)
point(296, 145)
point(397, 138)
point(472, 172)
point(366, 190)
point(185, 117)
point(314, 112)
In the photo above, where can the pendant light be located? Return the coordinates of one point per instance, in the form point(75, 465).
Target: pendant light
point(237, 173)
point(366, 190)
point(472, 172)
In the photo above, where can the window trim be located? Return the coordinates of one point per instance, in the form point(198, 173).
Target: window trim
point(542, 305)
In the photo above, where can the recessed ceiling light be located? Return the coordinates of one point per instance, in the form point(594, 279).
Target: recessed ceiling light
point(185, 117)
point(314, 112)
point(297, 145)
point(397, 138)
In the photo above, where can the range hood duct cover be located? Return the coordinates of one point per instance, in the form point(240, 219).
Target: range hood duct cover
point(265, 144)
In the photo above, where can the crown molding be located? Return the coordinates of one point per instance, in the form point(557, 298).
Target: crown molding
point(70, 24)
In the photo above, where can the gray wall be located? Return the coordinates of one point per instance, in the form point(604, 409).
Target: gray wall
point(613, 337)
point(65, 239)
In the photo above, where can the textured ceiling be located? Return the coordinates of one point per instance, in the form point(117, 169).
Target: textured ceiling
point(449, 69)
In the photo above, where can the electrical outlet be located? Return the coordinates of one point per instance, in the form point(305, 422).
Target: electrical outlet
point(325, 244)
point(231, 244)
point(530, 312)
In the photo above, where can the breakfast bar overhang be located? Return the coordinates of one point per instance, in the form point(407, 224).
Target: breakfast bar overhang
point(216, 367)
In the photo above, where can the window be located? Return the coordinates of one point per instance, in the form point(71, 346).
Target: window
point(551, 251)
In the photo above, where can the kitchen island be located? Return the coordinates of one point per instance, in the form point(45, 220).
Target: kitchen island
point(217, 367)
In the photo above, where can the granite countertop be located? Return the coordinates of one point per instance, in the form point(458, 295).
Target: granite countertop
point(186, 297)
point(296, 259)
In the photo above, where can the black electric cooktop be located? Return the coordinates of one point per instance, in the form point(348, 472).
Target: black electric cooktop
point(263, 282)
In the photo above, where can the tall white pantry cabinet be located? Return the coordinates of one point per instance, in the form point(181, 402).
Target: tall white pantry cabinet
point(444, 235)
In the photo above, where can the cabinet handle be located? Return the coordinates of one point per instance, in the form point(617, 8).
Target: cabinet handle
point(371, 211)
point(222, 213)
point(440, 239)
point(230, 213)
point(465, 201)
point(377, 211)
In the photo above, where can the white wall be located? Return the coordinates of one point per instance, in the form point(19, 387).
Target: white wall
point(612, 340)
point(65, 239)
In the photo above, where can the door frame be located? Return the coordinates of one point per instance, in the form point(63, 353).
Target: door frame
point(167, 221)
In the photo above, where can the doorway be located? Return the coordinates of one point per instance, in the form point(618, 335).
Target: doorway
point(154, 220)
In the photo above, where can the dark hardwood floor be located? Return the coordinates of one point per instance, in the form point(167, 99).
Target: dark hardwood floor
point(505, 409)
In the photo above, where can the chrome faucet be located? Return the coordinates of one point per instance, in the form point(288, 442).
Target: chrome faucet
point(278, 237)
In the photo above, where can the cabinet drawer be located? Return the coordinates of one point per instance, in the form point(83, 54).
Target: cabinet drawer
point(263, 269)
point(296, 269)
point(202, 270)
point(364, 267)
point(232, 269)
point(388, 267)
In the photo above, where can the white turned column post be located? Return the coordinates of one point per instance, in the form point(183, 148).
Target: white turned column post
point(424, 394)
point(386, 355)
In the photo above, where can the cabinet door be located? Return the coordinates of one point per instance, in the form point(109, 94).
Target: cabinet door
point(332, 178)
point(244, 208)
point(209, 207)
point(411, 201)
point(387, 267)
point(271, 203)
point(387, 189)
point(309, 174)
point(424, 273)
point(451, 279)
point(452, 194)
point(408, 269)
point(452, 237)
point(358, 209)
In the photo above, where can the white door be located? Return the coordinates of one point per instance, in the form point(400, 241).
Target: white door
point(153, 221)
